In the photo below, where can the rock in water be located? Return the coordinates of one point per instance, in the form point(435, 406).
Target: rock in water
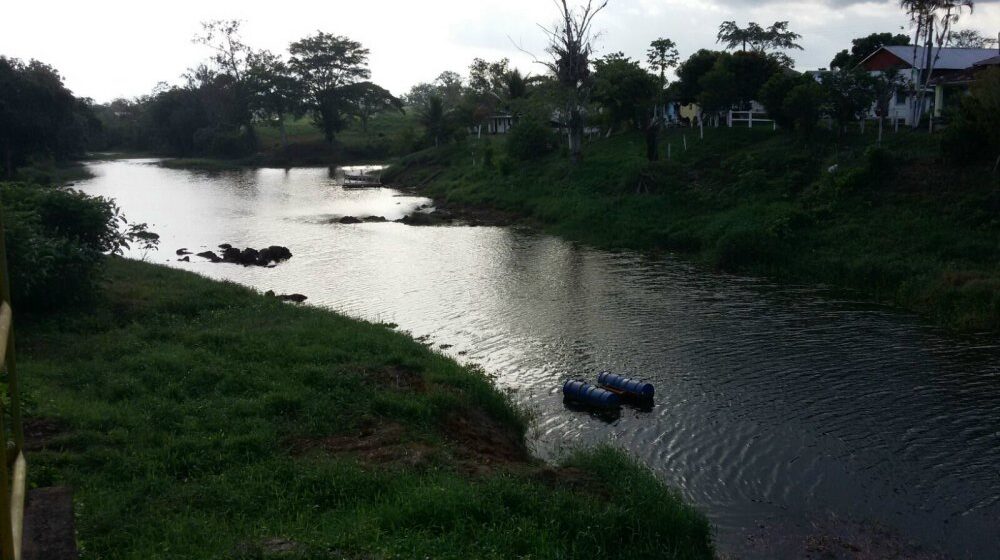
point(210, 255)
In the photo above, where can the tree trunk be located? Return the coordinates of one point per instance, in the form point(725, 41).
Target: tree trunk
point(653, 142)
point(575, 130)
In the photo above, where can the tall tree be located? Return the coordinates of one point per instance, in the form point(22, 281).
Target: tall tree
point(435, 119)
point(662, 56)
point(275, 91)
point(570, 48)
point(777, 37)
point(326, 65)
point(228, 73)
point(232, 55)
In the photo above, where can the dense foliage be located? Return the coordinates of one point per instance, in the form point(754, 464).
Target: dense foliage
point(975, 133)
point(56, 240)
point(39, 117)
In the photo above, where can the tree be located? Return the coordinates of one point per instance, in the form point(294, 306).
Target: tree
point(862, 47)
point(932, 21)
point(777, 37)
point(625, 90)
point(802, 106)
point(275, 92)
point(735, 80)
point(773, 93)
point(971, 39)
point(849, 95)
point(487, 91)
point(232, 55)
point(690, 72)
point(884, 87)
point(326, 65)
point(448, 86)
point(370, 100)
point(570, 48)
point(38, 115)
point(662, 56)
point(435, 120)
point(232, 59)
point(975, 134)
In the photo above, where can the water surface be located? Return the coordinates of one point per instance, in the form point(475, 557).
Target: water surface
point(781, 410)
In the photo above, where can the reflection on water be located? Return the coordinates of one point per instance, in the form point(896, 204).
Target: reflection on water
point(777, 407)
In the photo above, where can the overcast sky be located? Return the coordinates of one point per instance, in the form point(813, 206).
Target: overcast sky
point(114, 48)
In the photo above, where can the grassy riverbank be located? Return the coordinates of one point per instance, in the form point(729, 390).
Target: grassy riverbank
point(894, 223)
point(197, 419)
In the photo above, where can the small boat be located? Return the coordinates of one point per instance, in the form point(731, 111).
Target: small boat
point(362, 180)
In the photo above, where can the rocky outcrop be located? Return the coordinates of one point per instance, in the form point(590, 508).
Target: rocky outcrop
point(293, 298)
point(266, 257)
point(426, 219)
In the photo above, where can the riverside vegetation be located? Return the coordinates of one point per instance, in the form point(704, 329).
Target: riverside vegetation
point(893, 222)
point(199, 419)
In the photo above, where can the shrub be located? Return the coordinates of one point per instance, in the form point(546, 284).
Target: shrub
point(529, 139)
point(975, 133)
point(56, 239)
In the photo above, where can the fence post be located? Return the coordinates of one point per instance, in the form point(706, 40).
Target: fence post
point(11, 490)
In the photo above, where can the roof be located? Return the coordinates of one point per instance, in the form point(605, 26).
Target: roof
point(948, 58)
point(995, 61)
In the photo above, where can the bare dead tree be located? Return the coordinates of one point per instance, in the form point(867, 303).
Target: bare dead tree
point(570, 48)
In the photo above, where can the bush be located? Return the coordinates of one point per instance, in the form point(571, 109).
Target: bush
point(226, 144)
point(529, 139)
point(56, 239)
point(975, 132)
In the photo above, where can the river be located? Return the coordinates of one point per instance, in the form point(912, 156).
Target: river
point(782, 412)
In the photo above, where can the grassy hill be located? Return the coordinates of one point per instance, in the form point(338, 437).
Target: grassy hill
point(894, 222)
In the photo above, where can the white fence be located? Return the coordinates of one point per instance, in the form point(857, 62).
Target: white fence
point(749, 117)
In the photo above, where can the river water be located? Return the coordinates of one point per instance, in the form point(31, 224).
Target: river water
point(782, 412)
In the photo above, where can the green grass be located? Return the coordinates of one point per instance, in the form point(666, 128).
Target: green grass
point(197, 419)
point(895, 223)
point(52, 173)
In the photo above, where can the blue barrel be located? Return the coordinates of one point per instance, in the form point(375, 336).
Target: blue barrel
point(631, 387)
point(587, 394)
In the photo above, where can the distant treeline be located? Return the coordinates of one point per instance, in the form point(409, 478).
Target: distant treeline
point(214, 113)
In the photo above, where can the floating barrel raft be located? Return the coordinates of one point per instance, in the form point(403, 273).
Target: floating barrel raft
point(589, 395)
point(626, 386)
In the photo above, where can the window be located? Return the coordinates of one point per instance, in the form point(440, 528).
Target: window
point(900, 97)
